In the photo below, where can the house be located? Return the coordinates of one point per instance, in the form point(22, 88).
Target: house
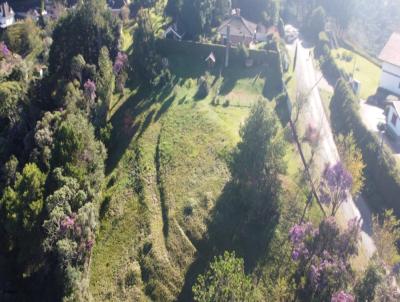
point(238, 29)
point(393, 118)
point(172, 33)
point(390, 56)
point(7, 15)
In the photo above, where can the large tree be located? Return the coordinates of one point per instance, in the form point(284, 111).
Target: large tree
point(225, 281)
point(84, 31)
point(258, 160)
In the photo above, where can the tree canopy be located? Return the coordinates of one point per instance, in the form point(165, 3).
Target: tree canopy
point(84, 31)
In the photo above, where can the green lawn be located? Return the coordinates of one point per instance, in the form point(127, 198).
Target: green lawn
point(167, 169)
point(364, 71)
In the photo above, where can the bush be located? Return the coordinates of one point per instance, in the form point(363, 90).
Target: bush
point(382, 174)
point(204, 88)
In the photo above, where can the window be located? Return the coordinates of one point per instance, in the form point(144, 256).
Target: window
point(394, 119)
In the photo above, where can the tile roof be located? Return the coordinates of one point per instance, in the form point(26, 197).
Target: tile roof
point(239, 26)
point(391, 51)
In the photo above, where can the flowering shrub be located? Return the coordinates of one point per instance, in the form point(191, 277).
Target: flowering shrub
point(5, 52)
point(90, 89)
point(335, 186)
point(67, 223)
point(342, 297)
point(323, 255)
point(120, 63)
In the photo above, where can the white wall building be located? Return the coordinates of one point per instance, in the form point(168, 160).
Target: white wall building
point(390, 56)
point(392, 118)
point(7, 15)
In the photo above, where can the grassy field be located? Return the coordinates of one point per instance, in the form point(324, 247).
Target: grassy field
point(167, 170)
point(364, 71)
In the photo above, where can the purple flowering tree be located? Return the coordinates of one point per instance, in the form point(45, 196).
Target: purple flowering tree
point(5, 52)
point(119, 68)
point(120, 63)
point(335, 186)
point(323, 256)
point(90, 90)
point(342, 297)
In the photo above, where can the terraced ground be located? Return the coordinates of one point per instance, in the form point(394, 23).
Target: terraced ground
point(167, 170)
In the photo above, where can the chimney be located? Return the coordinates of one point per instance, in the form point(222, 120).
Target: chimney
point(238, 12)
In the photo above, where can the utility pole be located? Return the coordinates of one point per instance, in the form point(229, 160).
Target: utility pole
point(228, 45)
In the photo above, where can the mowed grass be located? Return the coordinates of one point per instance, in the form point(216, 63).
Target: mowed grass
point(364, 71)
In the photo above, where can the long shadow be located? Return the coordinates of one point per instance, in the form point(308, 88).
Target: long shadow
point(161, 190)
point(164, 107)
point(234, 73)
point(124, 125)
point(234, 226)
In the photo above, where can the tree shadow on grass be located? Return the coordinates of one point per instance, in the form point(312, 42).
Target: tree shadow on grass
point(125, 127)
point(233, 74)
point(164, 107)
point(234, 226)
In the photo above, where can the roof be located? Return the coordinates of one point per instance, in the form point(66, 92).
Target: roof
point(6, 11)
point(391, 51)
point(239, 26)
point(173, 31)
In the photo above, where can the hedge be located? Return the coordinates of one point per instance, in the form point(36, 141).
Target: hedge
point(271, 59)
point(167, 47)
point(329, 68)
point(382, 187)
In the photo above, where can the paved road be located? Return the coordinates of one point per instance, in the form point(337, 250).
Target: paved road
point(327, 152)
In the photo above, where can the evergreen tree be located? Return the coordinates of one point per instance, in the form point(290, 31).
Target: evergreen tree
point(84, 31)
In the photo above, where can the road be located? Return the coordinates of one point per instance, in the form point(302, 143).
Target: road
point(327, 152)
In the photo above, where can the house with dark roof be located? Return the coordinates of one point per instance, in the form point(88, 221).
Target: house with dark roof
point(390, 57)
point(7, 15)
point(237, 30)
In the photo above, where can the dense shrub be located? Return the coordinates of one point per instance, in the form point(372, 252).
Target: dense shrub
point(200, 51)
point(382, 175)
point(328, 65)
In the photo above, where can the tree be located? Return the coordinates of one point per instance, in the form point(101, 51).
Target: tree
point(9, 171)
point(78, 152)
point(222, 9)
point(341, 10)
point(23, 37)
point(225, 281)
point(105, 81)
point(84, 31)
point(44, 138)
point(21, 208)
point(197, 16)
point(352, 160)
point(11, 95)
point(259, 10)
point(335, 186)
point(316, 23)
point(258, 160)
point(323, 255)
point(23, 203)
point(366, 287)
point(146, 60)
point(386, 234)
